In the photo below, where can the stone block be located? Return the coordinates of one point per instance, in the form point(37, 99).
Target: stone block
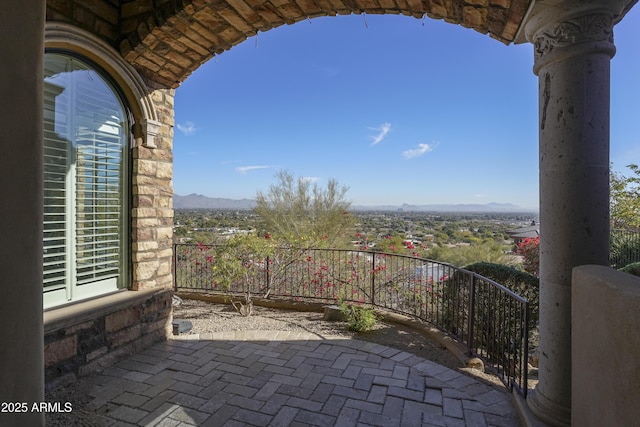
point(145, 246)
point(143, 212)
point(164, 268)
point(144, 167)
point(107, 360)
point(143, 256)
point(333, 313)
point(149, 188)
point(158, 325)
point(141, 285)
point(144, 222)
point(483, 3)
point(157, 307)
point(143, 234)
point(142, 180)
point(72, 330)
point(165, 281)
point(91, 339)
point(106, 30)
point(125, 335)
point(502, 3)
point(165, 255)
point(96, 353)
point(165, 170)
point(135, 8)
point(122, 319)
point(143, 200)
point(145, 270)
point(150, 65)
point(84, 16)
point(106, 11)
point(58, 351)
point(474, 17)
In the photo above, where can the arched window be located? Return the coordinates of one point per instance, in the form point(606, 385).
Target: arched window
point(86, 181)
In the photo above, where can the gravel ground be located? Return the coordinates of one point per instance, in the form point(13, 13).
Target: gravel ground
point(209, 317)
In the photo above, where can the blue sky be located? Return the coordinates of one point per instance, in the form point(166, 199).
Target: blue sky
point(398, 109)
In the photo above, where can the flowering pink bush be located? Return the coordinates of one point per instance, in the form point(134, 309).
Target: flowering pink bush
point(529, 248)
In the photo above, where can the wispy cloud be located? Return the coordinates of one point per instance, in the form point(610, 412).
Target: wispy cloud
point(245, 169)
point(310, 179)
point(382, 133)
point(417, 152)
point(188, 128)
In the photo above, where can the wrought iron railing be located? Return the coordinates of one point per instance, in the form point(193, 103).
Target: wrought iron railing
point(489, 319)
point(624, 248)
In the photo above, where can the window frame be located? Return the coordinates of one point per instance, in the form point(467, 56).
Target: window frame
point(72, 291)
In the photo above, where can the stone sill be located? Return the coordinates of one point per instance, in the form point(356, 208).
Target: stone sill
point(84, 311)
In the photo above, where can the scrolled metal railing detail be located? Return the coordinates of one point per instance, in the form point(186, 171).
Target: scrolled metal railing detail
point(489, 319)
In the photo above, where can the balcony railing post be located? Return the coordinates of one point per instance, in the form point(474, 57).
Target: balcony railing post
point(472, 313)
point(373, 278)
point(267, 277)
point(175, 267)
point(525, 364)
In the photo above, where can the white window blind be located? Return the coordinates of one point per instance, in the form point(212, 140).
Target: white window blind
point(85, 182)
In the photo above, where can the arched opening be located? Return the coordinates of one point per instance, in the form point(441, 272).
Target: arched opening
point(167, 43)
point(452, 106)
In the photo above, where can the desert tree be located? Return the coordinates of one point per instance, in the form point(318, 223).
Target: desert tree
point(299, 213)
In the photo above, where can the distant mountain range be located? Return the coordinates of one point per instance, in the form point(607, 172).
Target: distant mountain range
point(487, 207)
point(198, 201)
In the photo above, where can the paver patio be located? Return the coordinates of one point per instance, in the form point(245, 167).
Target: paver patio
point(275, 378)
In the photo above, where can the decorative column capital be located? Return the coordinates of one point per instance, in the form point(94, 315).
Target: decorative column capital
point(582, 29)
point(577, 35)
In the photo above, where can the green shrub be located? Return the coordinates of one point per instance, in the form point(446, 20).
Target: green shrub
point(522, 283)
point(633, 268)
point(624, 248)
point(360, 319)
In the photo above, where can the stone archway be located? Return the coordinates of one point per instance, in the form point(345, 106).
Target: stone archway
point(166, 40)
point(166, 44)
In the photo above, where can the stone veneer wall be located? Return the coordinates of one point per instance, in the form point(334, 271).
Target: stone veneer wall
point(87, 337)
point(152, 213)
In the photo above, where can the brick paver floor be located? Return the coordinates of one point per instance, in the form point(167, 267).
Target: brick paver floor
point(275, 378)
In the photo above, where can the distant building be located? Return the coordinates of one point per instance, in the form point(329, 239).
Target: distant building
point(530, 232)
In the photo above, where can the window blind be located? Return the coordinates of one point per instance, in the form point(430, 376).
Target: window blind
point(84, 179)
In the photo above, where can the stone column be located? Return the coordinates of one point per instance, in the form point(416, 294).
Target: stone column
point(21, 201)
point(573, 44)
